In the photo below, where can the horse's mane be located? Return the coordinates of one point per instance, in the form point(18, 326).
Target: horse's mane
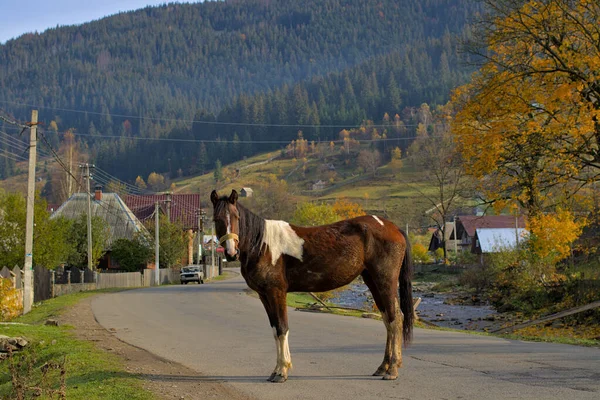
point(252, 227)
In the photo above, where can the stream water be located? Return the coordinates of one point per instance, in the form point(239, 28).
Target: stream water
point(434, 308)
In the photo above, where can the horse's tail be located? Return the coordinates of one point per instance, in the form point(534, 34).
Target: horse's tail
point(405, 288)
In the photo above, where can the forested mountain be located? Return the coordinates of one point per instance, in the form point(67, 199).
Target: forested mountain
point(148, 73)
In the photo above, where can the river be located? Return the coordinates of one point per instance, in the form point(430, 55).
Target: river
point(435, 308)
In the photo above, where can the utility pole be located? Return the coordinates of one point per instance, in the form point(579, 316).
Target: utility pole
point(156, 242)
point(200, 233)
point(212, 239)
point(28, 265)
point(455, 238)
point(168, 201)
point(87, 175)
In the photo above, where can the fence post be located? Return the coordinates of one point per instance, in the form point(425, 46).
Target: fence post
point(52, 283)
point(68, 277)
point(81, 278)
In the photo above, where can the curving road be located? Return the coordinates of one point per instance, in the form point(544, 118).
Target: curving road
point(219, 331)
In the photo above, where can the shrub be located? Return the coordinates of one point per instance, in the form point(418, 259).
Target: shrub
point(420, 254)
point(10, 306)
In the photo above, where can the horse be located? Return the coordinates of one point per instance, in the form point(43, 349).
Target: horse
point(277, 257)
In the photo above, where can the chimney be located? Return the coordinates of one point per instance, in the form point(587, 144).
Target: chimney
point(98, 192)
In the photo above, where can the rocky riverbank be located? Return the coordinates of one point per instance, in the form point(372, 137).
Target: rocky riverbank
point(450, 310)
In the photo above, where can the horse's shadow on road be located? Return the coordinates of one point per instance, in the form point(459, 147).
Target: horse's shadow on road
point(249, 379)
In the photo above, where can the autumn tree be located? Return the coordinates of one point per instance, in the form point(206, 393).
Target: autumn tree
point(139, 182)
point(315, 214)
point(396, 161)
point(272, 198)
point(529, 120)
point(156, 181)
point(369, 160)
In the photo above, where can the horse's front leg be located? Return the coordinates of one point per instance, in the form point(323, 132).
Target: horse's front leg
point(277, 310)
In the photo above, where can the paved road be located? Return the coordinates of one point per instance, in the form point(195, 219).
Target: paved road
point(219, 331)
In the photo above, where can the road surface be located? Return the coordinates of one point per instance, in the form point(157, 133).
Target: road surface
point(221, 332)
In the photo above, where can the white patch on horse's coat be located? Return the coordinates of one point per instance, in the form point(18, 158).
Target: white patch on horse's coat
point(281, 239)
point(377, 219)
point(229, 243)
point(284, 352)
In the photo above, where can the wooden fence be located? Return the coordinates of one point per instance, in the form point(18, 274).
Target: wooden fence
point(119, 280)
point(58, 282)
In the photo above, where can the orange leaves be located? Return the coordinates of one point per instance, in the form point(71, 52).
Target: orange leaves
point(346, 209)
point(526, 124)
point(553, 234)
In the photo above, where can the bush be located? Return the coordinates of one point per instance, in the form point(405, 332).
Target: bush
point(420, 254)
point(10, 306)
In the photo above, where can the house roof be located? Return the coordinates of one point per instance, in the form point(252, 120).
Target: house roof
point(184, 207)
point(122, 223)
point(471, 222)
point(247, 189)
point(493, 240)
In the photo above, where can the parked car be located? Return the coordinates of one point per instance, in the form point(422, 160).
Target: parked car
point(191, 274)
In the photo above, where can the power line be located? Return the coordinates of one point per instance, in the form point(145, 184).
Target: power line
point(113, 178)
point(10, 156)
point(163, 119)
point(19, 144)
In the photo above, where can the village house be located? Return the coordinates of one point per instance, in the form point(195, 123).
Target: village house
point(495, 240)
point(179, 208)
point(120, 221)
point(319, 185)
point(467, 225)
point(247, 192)
point(436, 238)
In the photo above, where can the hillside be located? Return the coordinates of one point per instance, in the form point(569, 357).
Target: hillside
point(148, 73)
point(396, 193)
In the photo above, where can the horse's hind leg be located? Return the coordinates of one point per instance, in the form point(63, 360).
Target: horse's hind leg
point(276, 306)
point(384, 288)
point(381, 371)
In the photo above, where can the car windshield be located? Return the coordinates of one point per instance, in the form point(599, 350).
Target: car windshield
point(190, 269)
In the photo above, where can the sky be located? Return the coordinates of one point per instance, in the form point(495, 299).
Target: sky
point(23, 16)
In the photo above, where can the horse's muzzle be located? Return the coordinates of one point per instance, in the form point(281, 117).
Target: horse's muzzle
point(235, 257)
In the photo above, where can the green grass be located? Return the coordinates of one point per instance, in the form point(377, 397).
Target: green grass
point(299, 299)
point(90, 373)
point(554, 339)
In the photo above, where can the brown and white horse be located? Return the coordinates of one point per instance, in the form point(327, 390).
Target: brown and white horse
point(278, 258)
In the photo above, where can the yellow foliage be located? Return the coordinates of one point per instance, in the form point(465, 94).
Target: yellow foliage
point(419, 253)
point(345, 209)
point(553, 234)
point(314, 214)
point(10, 306)
point(527, 121)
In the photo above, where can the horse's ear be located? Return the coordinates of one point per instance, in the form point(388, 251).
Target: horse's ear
point(214, 197)
point(233, 197)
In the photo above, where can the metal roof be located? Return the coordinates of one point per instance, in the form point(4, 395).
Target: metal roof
point(184, 207)
point(470, 222)
point(121, 222)
point(493, 240)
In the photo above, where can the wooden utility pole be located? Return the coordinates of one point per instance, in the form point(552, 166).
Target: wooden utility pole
point(87, 176)
point(28, 265)
point(156, 242)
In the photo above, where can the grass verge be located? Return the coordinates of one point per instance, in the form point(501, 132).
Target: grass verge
point(90, 373)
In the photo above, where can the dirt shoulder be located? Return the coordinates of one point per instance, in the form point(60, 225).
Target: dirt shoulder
point(167, 380)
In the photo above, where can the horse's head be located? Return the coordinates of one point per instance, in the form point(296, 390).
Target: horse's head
point(227, 223)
